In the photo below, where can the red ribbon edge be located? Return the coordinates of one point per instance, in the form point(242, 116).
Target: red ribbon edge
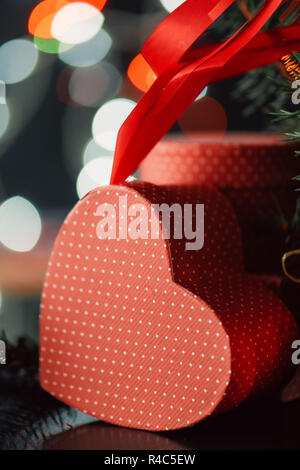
point(176, 88)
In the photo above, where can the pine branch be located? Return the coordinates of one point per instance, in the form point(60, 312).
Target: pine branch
point(267, 88)
point(282, 115)
point(293, 136)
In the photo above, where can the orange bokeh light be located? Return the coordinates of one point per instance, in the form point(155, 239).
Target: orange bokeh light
point(40, 20)
point(43, 29)
point(140, 73)
point(100, 4)
point(41, 17)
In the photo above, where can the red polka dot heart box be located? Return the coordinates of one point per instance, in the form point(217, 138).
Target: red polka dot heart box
point(254, 171)
point(145, 333)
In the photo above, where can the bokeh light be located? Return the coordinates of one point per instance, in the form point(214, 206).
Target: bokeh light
point(108, 120)
point(62, 86)
point(91, 86)
point(206, 116)
point(95, 173)
point(18, 59)
point(88, 85)
point(20, 224)
point(2, 92)
point(140, 73)
point(96, 3)
point(92, 151)
point(41, 17)
point(43, 29)
point(4, 118)
point(76, 23)
point(88, 53)
point(50, 46)
point(171, 5)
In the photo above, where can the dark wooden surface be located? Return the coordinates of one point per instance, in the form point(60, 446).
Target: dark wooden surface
point(266, 424)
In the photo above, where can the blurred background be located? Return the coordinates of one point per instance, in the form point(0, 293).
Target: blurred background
point(70, 74)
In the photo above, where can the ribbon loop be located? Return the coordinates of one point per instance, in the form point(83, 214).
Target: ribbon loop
point(177, 86)
point(184, 26)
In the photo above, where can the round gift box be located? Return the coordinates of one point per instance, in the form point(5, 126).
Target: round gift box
point(254, 171)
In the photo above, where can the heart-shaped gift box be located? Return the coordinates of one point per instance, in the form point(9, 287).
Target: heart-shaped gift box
point(139, 331)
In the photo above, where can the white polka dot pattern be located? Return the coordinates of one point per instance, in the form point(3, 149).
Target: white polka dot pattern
point(238, 161)
point(119, 339)
point(144, 334)
point(251, 314)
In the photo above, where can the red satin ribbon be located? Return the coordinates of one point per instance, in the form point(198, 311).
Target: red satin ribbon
point(182, 74)
point(264, 49)
point(177, 33)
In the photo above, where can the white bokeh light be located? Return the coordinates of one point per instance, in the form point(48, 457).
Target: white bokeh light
point(88, 53)
point(95, 173)
point(4, 119)
point(171, 5)
point(18, 59)
point(108, 120)
point(90, 86)
point(20, 224)
point(92, 151)
point(76, 23)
